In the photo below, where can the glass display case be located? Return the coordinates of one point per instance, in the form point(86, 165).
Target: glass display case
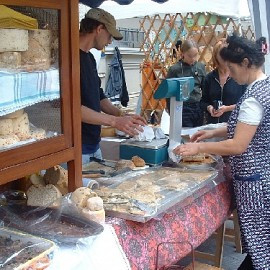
point(40, 118)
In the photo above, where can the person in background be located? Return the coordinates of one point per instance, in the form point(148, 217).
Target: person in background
point(248, 144)
point(96, 31)
point(176, 53)
point(220, 92)
point(188, 66)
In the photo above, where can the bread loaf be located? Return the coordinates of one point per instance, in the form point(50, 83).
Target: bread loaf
point(10, 60)
point(39, 53)
point(6, 127)
point(6, 140)
point(15, 114)
point(38, 134)
point(80, 196)
point(43, 196)
point(123, 163)
point(57, 176)
point(21, 126)
point(138, 161)
point(37, 180)
point(97, 216)
point(13, 40)
point(95, 204)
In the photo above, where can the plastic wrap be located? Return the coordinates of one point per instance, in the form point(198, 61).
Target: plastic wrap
point(22, 251)
point(62, 224)
point(143, 195)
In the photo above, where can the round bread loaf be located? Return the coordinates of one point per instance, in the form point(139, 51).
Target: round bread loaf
point(138, 161)
point(6, 127)
point(43, 196)
point(95, 204)
point(6, 140)
point(21, 127)
point(123, 163)
point(80, 196)
point(97, 216)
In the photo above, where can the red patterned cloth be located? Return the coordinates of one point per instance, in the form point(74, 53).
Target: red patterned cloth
point(194, 223)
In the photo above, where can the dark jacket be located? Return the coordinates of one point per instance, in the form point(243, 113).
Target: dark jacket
point(212, 90)
point(182, 69)
point(192, 115)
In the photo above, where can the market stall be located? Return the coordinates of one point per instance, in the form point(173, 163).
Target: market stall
point(178, 204)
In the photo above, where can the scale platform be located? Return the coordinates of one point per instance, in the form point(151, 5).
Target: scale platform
point(153, 153)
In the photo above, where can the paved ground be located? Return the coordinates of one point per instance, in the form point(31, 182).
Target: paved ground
point(231, 258)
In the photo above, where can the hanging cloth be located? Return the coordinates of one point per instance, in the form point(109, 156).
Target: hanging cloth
point(10, 18)
point(116, 88)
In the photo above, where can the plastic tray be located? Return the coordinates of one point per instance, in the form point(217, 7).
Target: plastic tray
point(22, 251)
point(49, 223)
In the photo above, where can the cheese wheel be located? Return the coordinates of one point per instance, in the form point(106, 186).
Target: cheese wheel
point(95, 204)
point(97, 216)
point(6, 127)
point(80, 196)
point(43, 196)
point(6, 140)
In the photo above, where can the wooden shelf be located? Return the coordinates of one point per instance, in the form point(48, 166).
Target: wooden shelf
point(21, 161)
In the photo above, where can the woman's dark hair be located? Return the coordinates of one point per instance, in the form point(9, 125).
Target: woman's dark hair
point(88, 25)
point(239, 48)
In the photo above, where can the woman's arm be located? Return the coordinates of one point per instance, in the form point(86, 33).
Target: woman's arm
point(235, 146)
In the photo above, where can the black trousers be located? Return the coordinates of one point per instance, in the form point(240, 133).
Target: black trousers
point(192, 114)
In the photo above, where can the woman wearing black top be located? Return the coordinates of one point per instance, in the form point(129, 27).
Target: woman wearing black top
point(220, 92)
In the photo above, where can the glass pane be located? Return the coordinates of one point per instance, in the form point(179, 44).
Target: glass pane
point(30, 108)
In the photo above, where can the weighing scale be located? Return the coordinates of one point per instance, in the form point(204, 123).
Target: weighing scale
point(156, 152)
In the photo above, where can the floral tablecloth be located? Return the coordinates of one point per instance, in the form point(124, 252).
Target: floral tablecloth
point(194, 223)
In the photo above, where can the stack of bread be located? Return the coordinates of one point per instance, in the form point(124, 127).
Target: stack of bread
point(15, 127)
point(26, 49)
point(89, 204)
point(48, 189)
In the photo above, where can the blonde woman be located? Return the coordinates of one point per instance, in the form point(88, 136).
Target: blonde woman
point(220, 92)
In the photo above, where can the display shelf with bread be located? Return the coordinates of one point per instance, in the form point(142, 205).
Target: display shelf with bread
point(40, 105)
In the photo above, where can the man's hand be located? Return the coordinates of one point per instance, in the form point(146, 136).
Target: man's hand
point(131, 125)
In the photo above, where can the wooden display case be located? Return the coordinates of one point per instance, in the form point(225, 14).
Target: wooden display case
point(26, 159)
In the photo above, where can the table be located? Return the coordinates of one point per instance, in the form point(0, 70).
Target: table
point(194, 223)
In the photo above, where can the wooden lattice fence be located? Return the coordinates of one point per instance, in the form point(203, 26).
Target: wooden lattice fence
point(161, 34)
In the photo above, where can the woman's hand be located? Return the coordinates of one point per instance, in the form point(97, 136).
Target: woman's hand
point(202, 135)
point(220, 111)
point(188, 149)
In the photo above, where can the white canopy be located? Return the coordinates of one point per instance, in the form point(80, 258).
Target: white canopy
point(140, 8)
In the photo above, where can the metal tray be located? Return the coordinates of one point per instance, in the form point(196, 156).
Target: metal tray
point(49, 223)
point(169, 196)
point(155, 144)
